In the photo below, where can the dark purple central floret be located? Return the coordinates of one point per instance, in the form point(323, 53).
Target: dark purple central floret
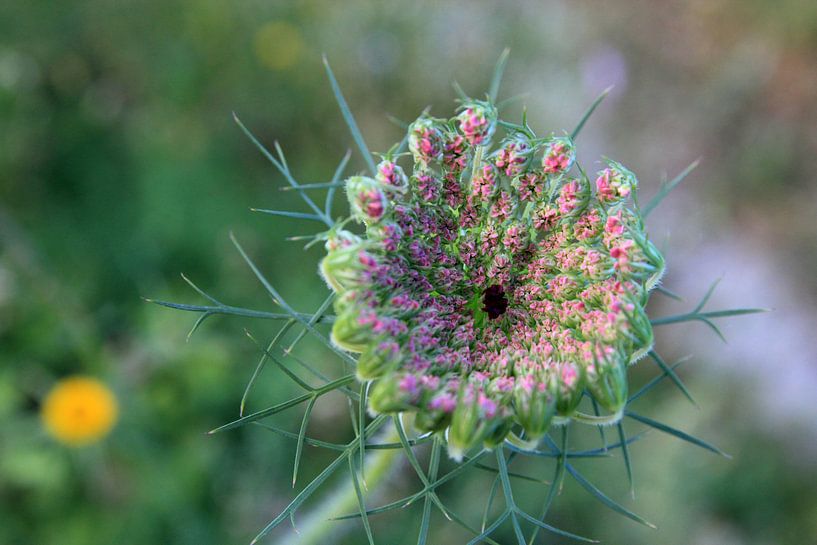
point(494, 301)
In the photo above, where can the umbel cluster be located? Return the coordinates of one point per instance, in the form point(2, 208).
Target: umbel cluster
point(496, 283)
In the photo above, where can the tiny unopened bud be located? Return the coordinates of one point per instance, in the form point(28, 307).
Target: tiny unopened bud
point(656, 265)
point(609, 384)
point(439, 404)
point(475, 418)
point(377, 360)
point(569, 384)
point(513, 155)
point(392, 178)
point(347, 263)
point(386, 396)
point(367, 199)
point(559, 155)
point(535, 404)
point(640, 330)
point(574, 196)
point(477, 122)
point(426, 140)
point(615, 183)
point(352, 329)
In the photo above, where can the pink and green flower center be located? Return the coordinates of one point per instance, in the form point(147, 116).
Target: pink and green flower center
point(493, 287)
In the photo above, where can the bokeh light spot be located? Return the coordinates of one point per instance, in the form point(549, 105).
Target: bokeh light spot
point(79, 410)
point(278, 45)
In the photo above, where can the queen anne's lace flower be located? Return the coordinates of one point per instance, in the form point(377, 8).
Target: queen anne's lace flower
point(494, 287)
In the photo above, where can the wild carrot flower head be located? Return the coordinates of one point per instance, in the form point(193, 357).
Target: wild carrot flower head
point(495, 283)
point(492, 286)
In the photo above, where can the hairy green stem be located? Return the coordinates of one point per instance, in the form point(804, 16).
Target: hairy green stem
point(316, 528)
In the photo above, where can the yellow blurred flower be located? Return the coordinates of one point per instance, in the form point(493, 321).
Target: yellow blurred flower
point(278, 45)
point(79, 410)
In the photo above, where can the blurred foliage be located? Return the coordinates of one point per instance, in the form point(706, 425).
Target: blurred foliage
point(120, 167)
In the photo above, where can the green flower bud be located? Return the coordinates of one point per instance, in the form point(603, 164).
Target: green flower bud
point(352, 330)
point(559, 156)
point(433, 421)
point(392, 178)
point(475, 419)
point(378, 359)
point(477, 121)
point(426, 140)
point(573, 197)
point(387, 397)
point(346, 262)
point(609, 384)
point(656, 261)
point(367, 199)
point(640, 331)
point(439, 406)
point(615, 183)
point(535, 405)
point(569, 382)
point(500, 430)
point(513, 155)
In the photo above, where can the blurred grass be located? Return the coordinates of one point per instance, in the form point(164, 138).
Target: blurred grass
point(120, 167)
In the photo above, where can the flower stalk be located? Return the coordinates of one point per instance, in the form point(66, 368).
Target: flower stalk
point(317, 527)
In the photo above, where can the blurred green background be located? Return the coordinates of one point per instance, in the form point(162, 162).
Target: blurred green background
point(121, 167)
